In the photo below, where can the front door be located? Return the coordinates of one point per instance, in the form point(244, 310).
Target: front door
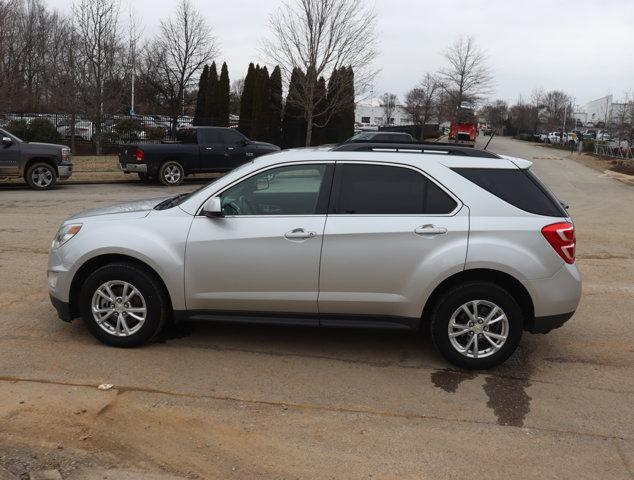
point(263, 254)
point(9, 157)
point(391, 231)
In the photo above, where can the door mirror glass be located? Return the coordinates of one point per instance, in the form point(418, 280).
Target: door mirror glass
point(212, 208)
point(6, 141)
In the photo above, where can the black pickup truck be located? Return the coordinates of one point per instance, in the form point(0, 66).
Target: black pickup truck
point(197, 150)
point(40, 164)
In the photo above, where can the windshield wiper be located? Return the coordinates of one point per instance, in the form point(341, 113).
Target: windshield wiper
point(170, 202)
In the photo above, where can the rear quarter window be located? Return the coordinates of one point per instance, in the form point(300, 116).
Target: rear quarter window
point(521, 188)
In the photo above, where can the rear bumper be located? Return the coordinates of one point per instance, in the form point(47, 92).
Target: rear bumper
point(546, 324)
point(65, 170)
point(63, 308)
point(133, 167)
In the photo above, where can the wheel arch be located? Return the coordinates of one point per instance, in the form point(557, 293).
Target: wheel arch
point(99, 261)
point(502, 279)
point(171, 158)
point(32, 160)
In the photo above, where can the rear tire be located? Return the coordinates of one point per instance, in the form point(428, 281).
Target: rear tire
point(41, 176)
point(171, 173)
point(143, 298)
point(481, 300)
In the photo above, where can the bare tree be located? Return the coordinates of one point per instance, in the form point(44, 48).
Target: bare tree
point(496, 114)
point(321, 37)
point(101, 59)
point(466, 77)
point(421, 102)
point(555, 109)
point(135, 32)
point(172, 60)
point(388, 102)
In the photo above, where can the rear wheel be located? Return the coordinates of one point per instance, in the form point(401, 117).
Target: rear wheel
point(171, 173)
point(123, 305)
point(476, 325)
point(41, 176)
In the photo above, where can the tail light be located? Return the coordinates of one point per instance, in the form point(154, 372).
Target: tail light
point(139, 155)
point(561, 237)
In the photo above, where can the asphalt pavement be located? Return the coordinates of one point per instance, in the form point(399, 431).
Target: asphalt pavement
point(229, 401)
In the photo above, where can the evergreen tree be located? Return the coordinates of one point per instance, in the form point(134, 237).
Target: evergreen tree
point(334, 125)
point(246, 102)
point(222, 98)
point(293, 122)
point(212, 86)
point(201, 99)
point(261, 122)
point(275, 129)
point(319, 136)
point(347, 119)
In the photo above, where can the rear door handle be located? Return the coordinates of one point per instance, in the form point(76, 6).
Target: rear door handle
point(299, 234)
point(208, 148)
point(430, 229)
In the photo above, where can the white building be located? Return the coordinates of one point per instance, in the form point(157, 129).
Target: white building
point(374, 116)
point(602, 110)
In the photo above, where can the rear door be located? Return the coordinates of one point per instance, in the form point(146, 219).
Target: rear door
point(211, 150)
point(236, 147)
point(391, 232)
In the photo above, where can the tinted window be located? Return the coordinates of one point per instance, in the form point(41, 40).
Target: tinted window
point(520, 188)
point(231, 136)
point(186, 135)
point(384, 190)
point(292, 190)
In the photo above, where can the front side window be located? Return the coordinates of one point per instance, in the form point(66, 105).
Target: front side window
point(232, 137)
point(291, 190)
point(384, 190)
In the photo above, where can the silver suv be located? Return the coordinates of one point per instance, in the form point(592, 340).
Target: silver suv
point(465, 242)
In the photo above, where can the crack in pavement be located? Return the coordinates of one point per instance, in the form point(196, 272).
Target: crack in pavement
point(308, 406)
point(395, 364)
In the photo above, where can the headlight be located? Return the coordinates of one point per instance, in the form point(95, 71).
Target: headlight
point(64, 234)
point(66, 154)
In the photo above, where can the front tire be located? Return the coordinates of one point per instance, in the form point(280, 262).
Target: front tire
point(123, 305)
point(41, 176)
point(171, 173)
point(476, 325)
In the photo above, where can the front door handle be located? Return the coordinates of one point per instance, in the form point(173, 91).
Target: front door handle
point(229, 148)
point(430, 229)
point(208, 148)
point(299, 234)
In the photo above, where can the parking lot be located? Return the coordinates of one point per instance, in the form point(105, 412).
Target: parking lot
point(235, 401)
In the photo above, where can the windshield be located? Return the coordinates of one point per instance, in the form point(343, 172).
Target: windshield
point(361, 136)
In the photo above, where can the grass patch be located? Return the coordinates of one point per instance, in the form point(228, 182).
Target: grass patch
point(95, 163)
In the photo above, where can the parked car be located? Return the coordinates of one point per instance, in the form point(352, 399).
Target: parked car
point(471, 244)
point(383, 137)
point(199, 150)
point(83, 129)
point(554, 137)
point(40, 164)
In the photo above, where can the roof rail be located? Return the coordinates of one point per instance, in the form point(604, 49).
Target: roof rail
point(430, 147)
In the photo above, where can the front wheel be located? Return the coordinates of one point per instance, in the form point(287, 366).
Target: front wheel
point(476, 325)
point(123, 305)
point(171, 173)
point(41, 176)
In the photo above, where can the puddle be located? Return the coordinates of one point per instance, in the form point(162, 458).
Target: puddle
point(506, 389)
point(449, 380)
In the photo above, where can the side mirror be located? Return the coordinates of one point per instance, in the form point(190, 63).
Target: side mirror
point(244, 143)
point(6, 141)
point(213, 208)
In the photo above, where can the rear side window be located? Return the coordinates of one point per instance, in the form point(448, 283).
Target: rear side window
point(384, 190)
point(521, 188)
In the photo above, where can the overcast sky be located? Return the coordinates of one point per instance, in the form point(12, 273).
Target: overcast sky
point(584, 47)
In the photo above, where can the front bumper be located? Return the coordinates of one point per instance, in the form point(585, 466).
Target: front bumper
point(133, 167)
point(65, 170)
point(63, 308)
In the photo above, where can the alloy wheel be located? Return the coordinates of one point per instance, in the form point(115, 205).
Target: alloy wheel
point(172, 174)
point(119, 308)
point(478, 329)
point(42, 177)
